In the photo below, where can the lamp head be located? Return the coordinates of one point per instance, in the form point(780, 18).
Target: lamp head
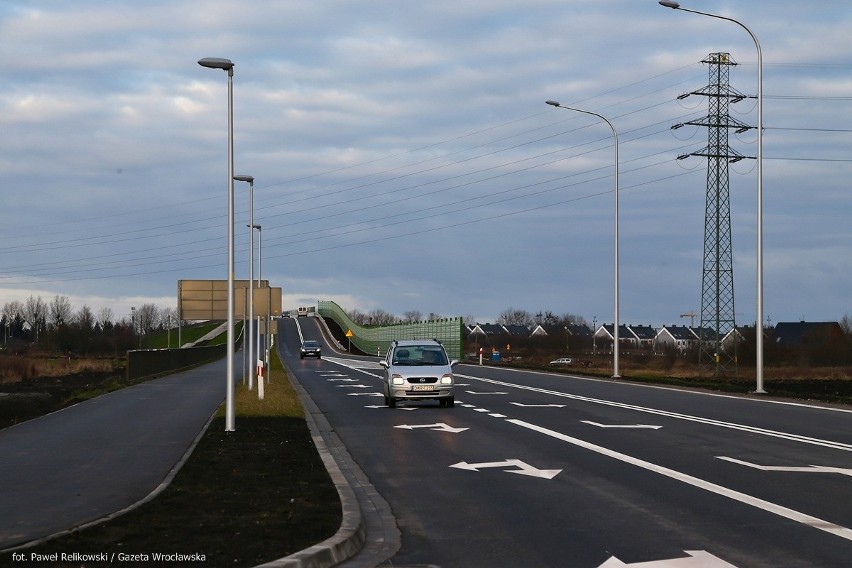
point(216, 63)
point(669, 4)
point(553, 103)
point(244, 178)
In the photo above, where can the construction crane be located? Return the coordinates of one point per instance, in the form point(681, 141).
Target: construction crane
point(691, 316)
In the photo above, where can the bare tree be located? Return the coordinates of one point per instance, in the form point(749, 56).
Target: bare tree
point(105, 317)
point(147, 318)
point(85, 318)
point(35, 313)
point(60, 311)
point(512, 316)
point(412, 316)
point(358, 317)
point(168, 317)
point(381, 317)
point(573, 319)
point(846, 324)
point(13, 309)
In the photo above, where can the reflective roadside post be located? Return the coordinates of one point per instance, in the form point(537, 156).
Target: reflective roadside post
point(759, 317)
point(228, 66)
point(616, 370)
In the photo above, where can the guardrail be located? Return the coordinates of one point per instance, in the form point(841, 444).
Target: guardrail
point(152, 362)
point(371, 339)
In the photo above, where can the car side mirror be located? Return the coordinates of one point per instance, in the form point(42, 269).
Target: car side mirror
point(383, 363)
point(454, 362)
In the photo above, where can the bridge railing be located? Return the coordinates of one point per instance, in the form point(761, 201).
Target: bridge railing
point(372, 339)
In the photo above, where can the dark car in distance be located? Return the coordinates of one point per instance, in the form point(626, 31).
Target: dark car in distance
point(310, 348)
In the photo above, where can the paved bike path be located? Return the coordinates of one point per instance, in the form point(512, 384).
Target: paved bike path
point(90, 460)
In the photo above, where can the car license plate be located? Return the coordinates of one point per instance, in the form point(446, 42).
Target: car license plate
point(422, 388)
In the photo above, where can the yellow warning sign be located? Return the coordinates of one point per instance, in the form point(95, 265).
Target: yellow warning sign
point(349, 333)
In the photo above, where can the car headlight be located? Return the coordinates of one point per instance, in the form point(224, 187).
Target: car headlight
point(397, 380)
point(447, 380)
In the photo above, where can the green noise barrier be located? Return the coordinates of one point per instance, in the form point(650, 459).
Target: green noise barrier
point(377, 339)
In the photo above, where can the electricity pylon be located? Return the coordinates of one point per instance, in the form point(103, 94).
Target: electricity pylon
point(717, 281)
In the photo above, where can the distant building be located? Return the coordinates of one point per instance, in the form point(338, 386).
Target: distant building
point(679, 337)
point(794, 334)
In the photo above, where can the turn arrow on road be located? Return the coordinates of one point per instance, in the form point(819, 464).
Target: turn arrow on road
point(696, 559)
point(523, 468)
point(438, 427)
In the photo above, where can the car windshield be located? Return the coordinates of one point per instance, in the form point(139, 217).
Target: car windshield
point(415, 355)
point(311, 343)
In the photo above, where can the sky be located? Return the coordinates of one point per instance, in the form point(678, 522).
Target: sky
point(405, 160)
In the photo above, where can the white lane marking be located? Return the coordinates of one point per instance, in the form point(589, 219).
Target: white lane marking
point(767, 506)
point(745, 428)
point(797, 469)
point(523, 468)
point(696, 559)
point(437, 427)
point(474, 392)
point(538, 405)
point(680, 390)
point(626, 426)
point(353, 363)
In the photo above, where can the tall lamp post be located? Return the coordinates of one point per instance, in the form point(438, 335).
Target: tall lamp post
point(616, 371)
point(250, 289)
point(228, 66)
point(759, 325)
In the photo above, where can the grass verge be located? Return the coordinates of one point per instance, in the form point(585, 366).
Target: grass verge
point(243, 498)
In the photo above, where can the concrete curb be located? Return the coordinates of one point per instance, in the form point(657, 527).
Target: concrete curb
point(351, 536)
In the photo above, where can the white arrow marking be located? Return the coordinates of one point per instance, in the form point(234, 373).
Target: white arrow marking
point(383, 406)
point(800, 469)
point(354, 386)
point(599, 425)
point(437, 427)
point(342, 380)
point(538, 405)
point(696, 559)
point(365, 394)
point(472, 392)
point(523, 468)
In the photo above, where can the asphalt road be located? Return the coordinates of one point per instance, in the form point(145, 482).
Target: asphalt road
point(542, 469)
point(90, 460)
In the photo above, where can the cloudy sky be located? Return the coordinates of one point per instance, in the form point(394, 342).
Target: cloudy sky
point(404, 157)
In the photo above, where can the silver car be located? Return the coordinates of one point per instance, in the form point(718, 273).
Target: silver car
point(418, 370)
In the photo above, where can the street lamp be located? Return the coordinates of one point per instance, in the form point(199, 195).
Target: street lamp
point(616, 372)
point(250, 289)
point(759, 326)
point(227, 65)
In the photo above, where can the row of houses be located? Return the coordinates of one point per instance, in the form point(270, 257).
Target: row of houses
point(679, 337)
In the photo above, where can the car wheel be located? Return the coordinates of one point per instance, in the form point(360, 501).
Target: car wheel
point(319, 356)
point(450, 402)
point(301, 356)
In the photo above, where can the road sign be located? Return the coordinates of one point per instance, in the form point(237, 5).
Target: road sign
point(349, 333)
